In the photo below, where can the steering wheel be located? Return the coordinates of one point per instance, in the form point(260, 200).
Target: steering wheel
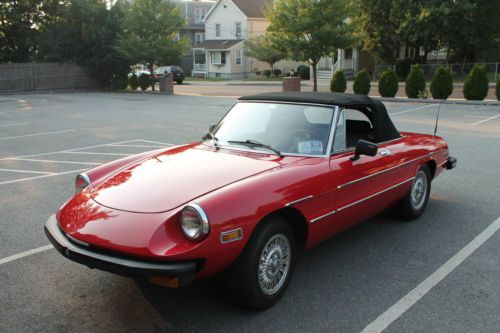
point(301, 135)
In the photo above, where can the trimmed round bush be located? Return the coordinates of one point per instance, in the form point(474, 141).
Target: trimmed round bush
point(267, 72)
point(362, 83)
point(276, 72)
point(388, 83)
point(144, 81)
point(304, 72)
point(442, 84)
point(133, 82)
point(476, 84)
point(338, 82)
point(498, 89)
point(415, 82)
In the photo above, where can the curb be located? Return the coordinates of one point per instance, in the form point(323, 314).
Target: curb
point(487, 102)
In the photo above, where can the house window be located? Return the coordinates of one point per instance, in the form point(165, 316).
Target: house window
point(217, 30)
point(237, 28)
point(218, 58)
point(199, 37)
point(199, 15)
point(238, 57)
point(348, 54)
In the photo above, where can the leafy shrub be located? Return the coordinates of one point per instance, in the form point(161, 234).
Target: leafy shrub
point(276, 72)
point(388, 84)
point(415, 82)
point(144, 81)
point(498, 89)
point(338, 82)
point(304, 72)
point(442, 84)
point(267, 72)
point(362, 83)
point(476, 84)
point(403, 67)
point(133, 82)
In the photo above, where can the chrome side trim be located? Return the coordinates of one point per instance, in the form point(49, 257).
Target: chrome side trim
point(291, 203)
point(222, 234)
point(74, 240)
point(322, 216)
point(375, 194)
point(382, 171)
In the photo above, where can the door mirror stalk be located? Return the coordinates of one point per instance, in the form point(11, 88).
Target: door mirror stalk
point(364, 147)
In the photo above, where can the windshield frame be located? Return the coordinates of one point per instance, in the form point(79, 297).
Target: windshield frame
point(331, 134)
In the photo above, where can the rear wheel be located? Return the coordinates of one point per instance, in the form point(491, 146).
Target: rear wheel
point(261, 274)
point(415, 201)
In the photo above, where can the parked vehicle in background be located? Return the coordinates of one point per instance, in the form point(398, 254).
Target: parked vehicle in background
point(139, 73)
point(175, 71)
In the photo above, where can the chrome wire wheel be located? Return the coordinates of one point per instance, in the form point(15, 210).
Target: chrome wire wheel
point(274, 264)
point(419, 190)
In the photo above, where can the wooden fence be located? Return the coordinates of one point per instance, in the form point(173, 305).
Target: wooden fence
point(44, 77)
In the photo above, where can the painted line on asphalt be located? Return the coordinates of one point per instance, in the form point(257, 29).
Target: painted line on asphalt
point(40, 177)
point(13, 124)
point(137, 146)
point(25, 254)
point(159, 143)
point(54, 161)
point(405, 303)
point(36, 134)
point(485, 120)
point(413, 109)
point(28, 171)
point(93, 153)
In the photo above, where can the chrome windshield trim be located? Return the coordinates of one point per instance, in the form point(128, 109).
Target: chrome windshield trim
point(291, 203)
point(322, 216)
point(382, 171)
point(374, 195)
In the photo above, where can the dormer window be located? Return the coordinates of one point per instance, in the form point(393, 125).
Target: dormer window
point(217, 30)
point(199, 15)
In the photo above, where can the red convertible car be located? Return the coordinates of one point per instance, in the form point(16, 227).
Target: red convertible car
point(278, 172)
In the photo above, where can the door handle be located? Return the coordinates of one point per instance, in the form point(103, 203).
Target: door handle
point(385, 152)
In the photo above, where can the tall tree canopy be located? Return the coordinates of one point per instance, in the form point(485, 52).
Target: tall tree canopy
point(307, 30)
point(260, 49)
point(150, 33)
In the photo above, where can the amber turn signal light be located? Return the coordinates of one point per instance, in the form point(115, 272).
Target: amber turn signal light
point(231, 236)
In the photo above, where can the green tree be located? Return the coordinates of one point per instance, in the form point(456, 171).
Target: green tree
point(415, 82)
point(362, 83)
point(150, 33)
point(476, 84)
point(442, 84)
point(260, 49)
point(307, 30)
point(388, 84)
point(338, 82)
point(86, 34)
point(497, 90)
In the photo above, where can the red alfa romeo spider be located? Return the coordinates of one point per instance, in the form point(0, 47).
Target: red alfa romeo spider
point(279, 171)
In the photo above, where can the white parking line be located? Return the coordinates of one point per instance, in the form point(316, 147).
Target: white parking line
point(54, 161)
point(414, 109)
point(93, 153)
point(27, 171)
point(160, 143)
point(485, 120)
point(25, 254)
point(36, 134)
point(13, 124)
point(137, 146)
point(39, 177)
point(401, 306)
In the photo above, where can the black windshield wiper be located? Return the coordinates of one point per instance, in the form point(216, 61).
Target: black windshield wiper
point(214, 139)
point(254, 143)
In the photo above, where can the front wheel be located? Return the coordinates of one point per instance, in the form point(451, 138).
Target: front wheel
point(415, 201)
point(261, 274)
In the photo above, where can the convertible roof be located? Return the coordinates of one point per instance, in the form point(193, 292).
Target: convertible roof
point(375, 110)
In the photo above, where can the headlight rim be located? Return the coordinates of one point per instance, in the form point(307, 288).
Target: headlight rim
point(205, 227)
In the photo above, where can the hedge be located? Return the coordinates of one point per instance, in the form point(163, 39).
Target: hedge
point(304, 72)
point(144, 81)
point(476, 84)
point(133, 82)
point(442, 84)
point(338, 82)
point(388, 83)
point(415, 82)
point(362, 83)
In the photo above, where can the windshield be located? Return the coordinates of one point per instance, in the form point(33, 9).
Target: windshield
point(287, 128)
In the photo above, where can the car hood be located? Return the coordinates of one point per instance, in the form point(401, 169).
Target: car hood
point(174, 177)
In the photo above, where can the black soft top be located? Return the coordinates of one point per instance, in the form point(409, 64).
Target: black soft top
point(373, 109)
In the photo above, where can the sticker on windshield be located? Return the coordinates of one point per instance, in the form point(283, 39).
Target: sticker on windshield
point(314, 147)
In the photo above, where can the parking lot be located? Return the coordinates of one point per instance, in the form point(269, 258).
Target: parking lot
point(382, 273)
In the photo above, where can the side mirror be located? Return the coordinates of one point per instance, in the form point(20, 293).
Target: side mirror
point(211, 128)
point(364, 148)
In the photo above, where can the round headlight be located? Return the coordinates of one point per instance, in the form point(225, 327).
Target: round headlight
point(81, 182)
point(194, 222)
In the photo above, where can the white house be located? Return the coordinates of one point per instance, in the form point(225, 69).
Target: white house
point(227, 25)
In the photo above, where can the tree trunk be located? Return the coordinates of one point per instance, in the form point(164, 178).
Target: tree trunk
point(314, 64)
point(152, 76)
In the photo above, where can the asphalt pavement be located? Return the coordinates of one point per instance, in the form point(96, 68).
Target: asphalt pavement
point(356, 280)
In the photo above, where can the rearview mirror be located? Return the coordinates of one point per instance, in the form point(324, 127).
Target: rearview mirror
point(364, 148)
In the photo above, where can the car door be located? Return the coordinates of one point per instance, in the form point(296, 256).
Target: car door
point(362, 186)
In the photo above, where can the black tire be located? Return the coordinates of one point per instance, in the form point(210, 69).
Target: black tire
point(408, 209)
point(243, 276)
